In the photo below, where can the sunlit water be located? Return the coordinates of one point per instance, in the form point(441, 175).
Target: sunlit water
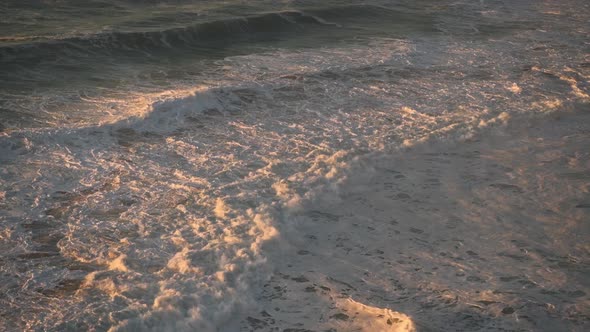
point(294, 165)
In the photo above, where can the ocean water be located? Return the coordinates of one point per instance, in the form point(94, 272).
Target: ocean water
point(184, 165)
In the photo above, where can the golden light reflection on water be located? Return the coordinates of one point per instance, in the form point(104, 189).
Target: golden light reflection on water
point(489, 230)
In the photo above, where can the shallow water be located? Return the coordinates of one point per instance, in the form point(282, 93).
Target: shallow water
point(284, 165)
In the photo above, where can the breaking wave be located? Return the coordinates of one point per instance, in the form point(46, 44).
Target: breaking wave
point(206, 34)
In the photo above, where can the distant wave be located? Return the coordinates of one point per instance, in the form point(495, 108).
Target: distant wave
point(197, 35)
point(213, 33)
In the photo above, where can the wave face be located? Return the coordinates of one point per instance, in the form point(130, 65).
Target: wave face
point(216, 32)
point(204, 34)
point(346, 161)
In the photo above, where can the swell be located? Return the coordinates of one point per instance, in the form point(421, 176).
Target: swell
point(196, 35)
point(207, 34)
point(214, 32)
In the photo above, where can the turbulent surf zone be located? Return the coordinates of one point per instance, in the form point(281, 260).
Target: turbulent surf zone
point(387, 166)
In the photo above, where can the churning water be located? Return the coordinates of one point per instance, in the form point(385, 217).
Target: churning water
point(291, 165)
